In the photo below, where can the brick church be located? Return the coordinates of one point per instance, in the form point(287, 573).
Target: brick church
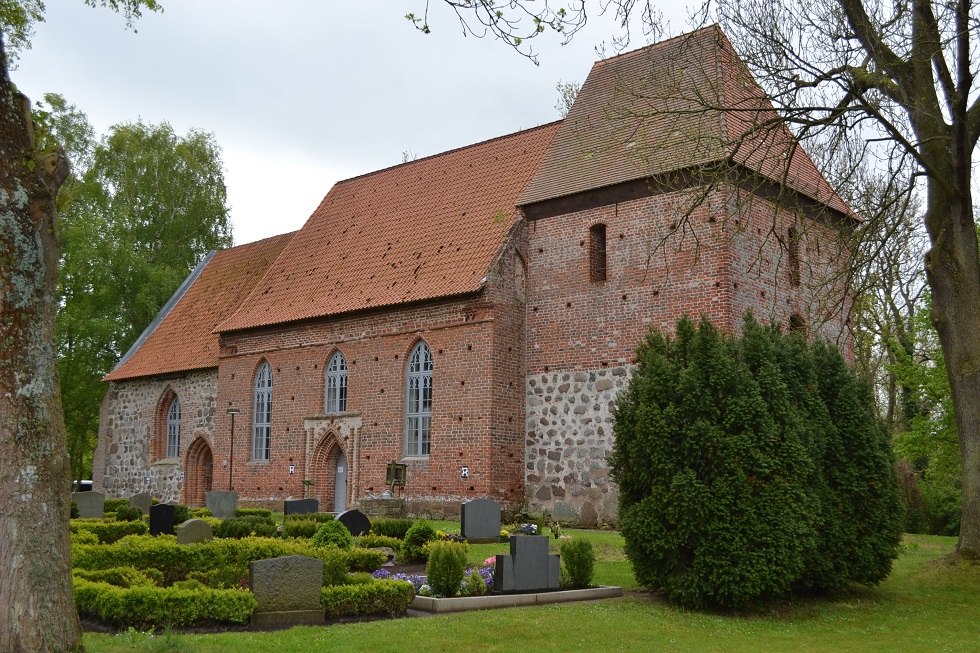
point(471, 316)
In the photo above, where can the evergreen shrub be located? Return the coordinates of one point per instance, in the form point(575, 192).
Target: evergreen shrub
point(391, 527)
point(128, 513)
point(110, 531)
point(413, 547)
point(333, 533)
point(382, 597)
point(578, 559)
point(370, 540)
point(246, 526)
point(264, 513)
point(749, 468)
point(112, 505)
point(118, 576)
point(446, 567)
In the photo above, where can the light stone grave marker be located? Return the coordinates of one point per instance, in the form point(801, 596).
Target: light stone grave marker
point(287, 590)
point(90, 504)
point(222, 504)
point(193, 531)
point(143, 501)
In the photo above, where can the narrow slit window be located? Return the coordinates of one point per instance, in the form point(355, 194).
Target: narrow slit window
point(793, 249)
point(173, 429)
point(597, 252)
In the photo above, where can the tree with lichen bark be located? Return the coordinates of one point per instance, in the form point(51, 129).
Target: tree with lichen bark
point(37, 606)
point(37, 609)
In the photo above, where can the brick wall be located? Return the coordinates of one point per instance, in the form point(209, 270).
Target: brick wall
point(477, 410)
point(664, 260)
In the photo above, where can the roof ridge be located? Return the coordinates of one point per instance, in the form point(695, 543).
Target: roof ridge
point(659, 44)
point(450, 151)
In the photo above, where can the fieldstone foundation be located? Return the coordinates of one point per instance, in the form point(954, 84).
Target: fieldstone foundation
point(569, 439)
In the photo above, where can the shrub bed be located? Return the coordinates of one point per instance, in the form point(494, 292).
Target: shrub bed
point(370, 541)
point(381, 597)
point(110, 531)
point(150, 607)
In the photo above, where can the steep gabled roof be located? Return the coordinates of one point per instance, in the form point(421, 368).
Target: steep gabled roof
point(421, 230)
point(681, 103)
point(182, 338)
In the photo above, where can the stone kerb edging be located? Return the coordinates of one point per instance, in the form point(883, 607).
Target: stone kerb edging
point(492, 601)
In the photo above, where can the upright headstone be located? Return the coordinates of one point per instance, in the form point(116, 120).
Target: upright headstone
point(355, 521)
point(143, 501)
point(162, 519)
point(528, 568)
point(193, 531)
point(221, 503)
point(480, 519)
point(300, 507)
point(287, 590)
point(90, 504)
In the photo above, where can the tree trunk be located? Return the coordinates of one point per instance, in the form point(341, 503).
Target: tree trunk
point(953, 268)
point(37, 607)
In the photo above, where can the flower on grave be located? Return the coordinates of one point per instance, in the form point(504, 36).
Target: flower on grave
point(425, 590)
point(504, 532)
point(490, 562)
point(528, 529)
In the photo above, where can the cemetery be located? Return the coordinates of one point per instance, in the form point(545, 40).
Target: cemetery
point(138, 563)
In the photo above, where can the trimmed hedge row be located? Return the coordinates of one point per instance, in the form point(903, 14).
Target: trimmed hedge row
point(382, 597)
point(110, 531)
point(149, 607)
point(391, 527)
point(176, 561)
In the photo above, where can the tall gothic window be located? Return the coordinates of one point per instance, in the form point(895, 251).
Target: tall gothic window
point(597, 252)
point(418, 405)
point(262, 417)
point(173, 429)
point(335, 395)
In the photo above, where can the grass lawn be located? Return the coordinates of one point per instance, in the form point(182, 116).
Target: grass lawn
point(925, 605)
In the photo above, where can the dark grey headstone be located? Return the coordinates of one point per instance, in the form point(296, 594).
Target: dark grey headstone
point(193, 531)
point(528, 568)
point(143, 501)
point(300, 507)
point(480, 519)
point(287, 584)
point(355, 521)
point(222, 504)
point(90, 504)
point(162, 519)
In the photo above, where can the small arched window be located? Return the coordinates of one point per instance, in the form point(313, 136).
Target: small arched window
point(597, 252)
point(418, 405)
point(262, 416)
point(173, 429)
point(797, 324)
point(335, 390)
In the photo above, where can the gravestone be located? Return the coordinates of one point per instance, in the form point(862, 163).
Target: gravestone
point(90, 504)
point(300, 507)
point(222, 504)
point(143, 501)
point(287, 590)
point(162, 519)
point(355, 521)
point(480, 519)
point(193, 531)
point(528, 568)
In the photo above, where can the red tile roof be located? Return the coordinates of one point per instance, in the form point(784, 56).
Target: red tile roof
point(184, 339)
point(420, 230)
point(684, 102)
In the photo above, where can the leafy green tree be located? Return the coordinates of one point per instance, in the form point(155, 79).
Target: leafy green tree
point(148, 208)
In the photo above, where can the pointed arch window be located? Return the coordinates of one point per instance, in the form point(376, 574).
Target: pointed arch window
point(173, 429)
point(418, 405)
point(262, 416)
point(335, 390)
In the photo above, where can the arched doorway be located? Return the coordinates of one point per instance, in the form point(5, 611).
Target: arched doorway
point(329, 475)
point(197, 479)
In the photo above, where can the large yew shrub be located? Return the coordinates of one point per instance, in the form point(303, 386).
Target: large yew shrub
point(750, 467)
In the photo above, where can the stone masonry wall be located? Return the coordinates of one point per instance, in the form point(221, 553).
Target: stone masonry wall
point(133, 423)
point(569, 425)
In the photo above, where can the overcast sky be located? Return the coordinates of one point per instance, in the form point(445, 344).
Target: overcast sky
point(301, 93)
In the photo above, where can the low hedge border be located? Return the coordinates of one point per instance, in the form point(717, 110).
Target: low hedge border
point(109, 532)
point(151, 607)
point(382, 597)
